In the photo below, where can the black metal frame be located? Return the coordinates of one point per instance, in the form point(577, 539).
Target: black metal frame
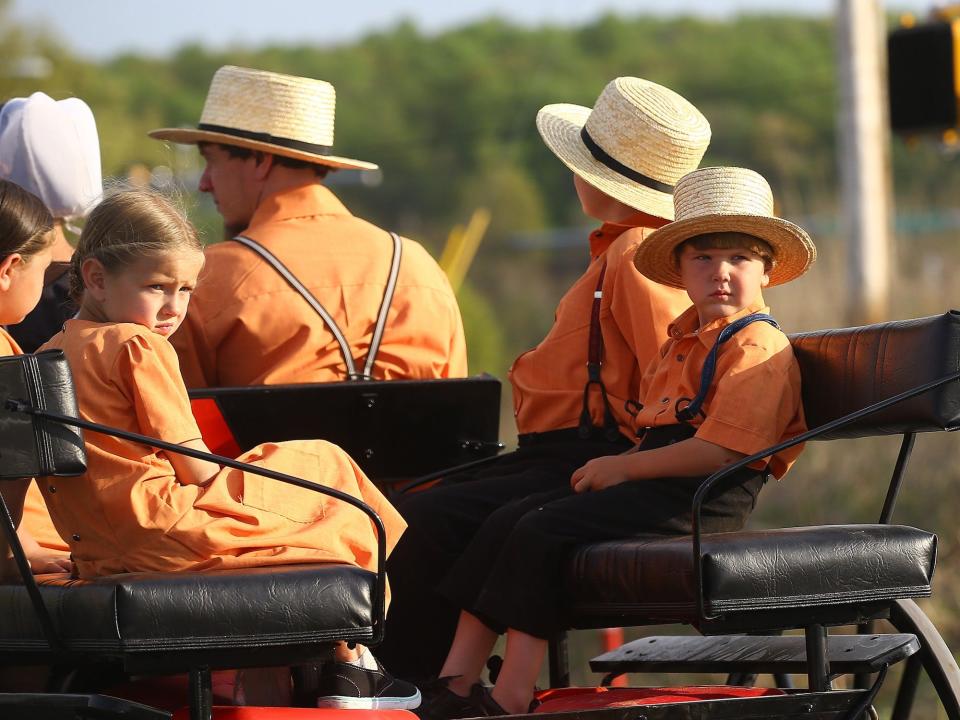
point(200, 681)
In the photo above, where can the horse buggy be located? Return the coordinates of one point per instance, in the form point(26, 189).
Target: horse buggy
point(740, 590)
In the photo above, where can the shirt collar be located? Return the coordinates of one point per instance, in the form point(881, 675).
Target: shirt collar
point(311, 198)
point(688, 324)
point(603, 237)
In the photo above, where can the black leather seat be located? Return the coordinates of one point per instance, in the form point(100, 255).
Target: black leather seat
point(803, 567)
point(159, 619)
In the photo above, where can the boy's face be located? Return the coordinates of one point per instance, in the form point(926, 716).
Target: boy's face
point(722, 282)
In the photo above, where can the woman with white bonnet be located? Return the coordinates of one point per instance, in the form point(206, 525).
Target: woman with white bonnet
point(50, 147)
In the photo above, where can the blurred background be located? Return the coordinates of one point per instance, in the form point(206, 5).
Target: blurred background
point(443, 97)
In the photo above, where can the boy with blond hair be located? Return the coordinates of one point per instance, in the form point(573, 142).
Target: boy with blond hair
point(725, 385)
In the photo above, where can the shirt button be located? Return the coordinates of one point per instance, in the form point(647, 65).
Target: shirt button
point(76, 537)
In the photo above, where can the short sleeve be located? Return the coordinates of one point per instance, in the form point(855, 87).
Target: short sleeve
point(149, 376)
point(757, 396)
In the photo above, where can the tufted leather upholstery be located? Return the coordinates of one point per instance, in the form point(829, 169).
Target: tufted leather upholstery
point(803, 567)
point(211, 611)
point(848, 369)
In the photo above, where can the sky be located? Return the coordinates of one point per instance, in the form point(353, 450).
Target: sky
point(102, 28)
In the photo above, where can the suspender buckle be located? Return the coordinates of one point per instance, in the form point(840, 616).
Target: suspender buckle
point(593, 372)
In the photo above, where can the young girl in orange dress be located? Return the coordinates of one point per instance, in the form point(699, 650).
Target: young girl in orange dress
point(141, 509)
point(25, 251)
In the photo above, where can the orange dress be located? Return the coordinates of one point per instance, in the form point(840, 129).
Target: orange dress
point(129, 513)
point(247, 326)
point(36, 519)
point(548, 380)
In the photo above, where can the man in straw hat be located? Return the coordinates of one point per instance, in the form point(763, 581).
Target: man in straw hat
point(726, 385)
point(573, 392)
point(308, 293)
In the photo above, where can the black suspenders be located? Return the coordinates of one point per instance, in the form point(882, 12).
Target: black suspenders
point(692, 408)
point(611, 430)
point(331, 324)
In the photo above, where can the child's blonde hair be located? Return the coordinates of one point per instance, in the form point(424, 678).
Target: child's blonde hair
point(726, 241)
point(126, 226)
point(25, 222)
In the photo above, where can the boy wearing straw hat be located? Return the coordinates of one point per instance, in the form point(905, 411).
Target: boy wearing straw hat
point(725, 385)
point(307, 292)
point(572, 393)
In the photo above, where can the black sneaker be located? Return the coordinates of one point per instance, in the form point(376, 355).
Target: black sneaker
point(439, 702)
point(347, 686)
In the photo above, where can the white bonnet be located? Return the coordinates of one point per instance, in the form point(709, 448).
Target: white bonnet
point(50, 147)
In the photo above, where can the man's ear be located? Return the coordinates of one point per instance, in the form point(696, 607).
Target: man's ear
point(94, 276)
point(8, 265)
point(263, 165)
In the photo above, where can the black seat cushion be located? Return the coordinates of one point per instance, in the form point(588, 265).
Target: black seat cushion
point(275, 606)
point(809, 567)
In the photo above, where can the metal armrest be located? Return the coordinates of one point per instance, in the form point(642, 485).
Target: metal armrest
point(718, 477)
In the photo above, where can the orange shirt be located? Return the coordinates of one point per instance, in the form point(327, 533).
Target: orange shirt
point(247, 326)
point(35, 519)
point(128, 512)
point(754, 401)
point(548, 380)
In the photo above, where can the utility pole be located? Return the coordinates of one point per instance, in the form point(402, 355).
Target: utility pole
point(864, 157)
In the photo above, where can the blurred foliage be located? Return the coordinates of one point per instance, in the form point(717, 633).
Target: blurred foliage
point(450, 119)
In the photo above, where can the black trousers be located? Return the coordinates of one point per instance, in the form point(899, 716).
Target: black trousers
point(497, 546)
point(442, 522)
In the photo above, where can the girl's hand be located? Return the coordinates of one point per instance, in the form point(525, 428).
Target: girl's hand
point(43, 564)
point(601, 473)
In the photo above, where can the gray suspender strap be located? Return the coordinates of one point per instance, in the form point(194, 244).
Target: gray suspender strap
point(378, 331)
point(384, 306)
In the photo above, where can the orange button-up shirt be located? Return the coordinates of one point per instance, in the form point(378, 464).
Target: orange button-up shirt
point(548, 380)
point(247, 326)
point(754, 401)
point(35, 519)
point(129, 513)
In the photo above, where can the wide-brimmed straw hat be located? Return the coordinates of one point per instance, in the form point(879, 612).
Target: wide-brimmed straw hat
point(725, 199)
point(635, 143)
point(280, 114)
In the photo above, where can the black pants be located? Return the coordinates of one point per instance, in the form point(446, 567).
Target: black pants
point(442, 523)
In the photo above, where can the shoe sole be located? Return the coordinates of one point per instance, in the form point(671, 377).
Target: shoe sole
point(343, 702)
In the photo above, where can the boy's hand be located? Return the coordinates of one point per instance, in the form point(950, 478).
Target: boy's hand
point(601, 473)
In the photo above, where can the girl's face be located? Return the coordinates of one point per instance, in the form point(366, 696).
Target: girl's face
point(153, 292)
point(21, 283)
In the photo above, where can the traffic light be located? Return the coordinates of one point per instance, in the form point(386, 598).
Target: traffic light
point(923, 77)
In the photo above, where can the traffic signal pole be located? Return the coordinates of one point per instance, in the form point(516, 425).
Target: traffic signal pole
point(864, 152)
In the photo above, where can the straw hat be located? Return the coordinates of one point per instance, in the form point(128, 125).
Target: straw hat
point(280, 114)
point(725, 199)
point(633, 145)
point(50, 147)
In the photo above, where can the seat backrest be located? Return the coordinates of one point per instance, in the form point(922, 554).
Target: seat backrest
point(30, 446)
point(848, 369)
point(392, 429)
